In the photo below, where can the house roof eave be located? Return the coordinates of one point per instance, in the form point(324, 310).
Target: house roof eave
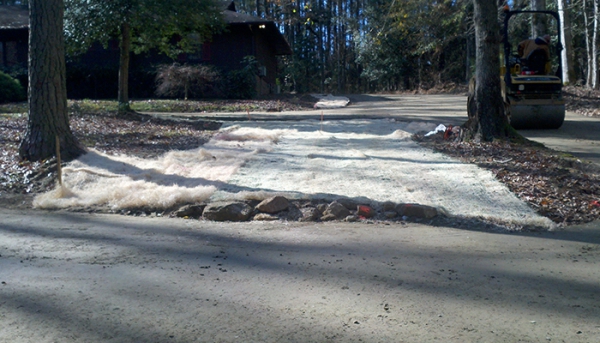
point(280, 45)
point(14, 17)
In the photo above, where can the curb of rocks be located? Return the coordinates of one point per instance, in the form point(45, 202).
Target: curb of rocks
point(280, 208)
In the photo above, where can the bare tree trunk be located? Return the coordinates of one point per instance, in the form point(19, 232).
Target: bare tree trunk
point(340, 46)
point(123, 97)
point(568, 70)
point(486, 108)
point(48, 117)
point(588, 48)
point(322, 58)
point(594, 61)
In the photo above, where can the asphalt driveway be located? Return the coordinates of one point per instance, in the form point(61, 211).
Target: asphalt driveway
point(579, 135)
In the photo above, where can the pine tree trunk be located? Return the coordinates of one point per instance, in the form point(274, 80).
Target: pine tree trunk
point(123, 97)
point(48, 117)
point(487, 119)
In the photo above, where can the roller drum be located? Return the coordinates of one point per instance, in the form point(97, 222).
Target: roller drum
point(537, 117)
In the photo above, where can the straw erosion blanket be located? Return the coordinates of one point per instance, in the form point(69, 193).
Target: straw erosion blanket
point(556, 185)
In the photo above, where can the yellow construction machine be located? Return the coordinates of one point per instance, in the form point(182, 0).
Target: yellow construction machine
point(532, 85)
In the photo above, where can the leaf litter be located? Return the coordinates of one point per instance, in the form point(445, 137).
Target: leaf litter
point(559, 187)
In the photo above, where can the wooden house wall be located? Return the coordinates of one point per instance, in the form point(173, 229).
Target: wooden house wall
point(266, 57)
point(13, 48)
point(229, 49)
point(95, 73)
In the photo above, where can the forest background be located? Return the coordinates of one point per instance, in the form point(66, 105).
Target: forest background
point(365, 46)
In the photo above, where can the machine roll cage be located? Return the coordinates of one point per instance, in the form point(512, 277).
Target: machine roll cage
point(558, 45)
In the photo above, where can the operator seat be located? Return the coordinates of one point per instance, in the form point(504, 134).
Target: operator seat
point(536, 61)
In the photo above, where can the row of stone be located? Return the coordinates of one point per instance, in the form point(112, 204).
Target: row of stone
point(280, 208)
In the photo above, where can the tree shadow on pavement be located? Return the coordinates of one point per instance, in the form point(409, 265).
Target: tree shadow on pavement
point(148, 276)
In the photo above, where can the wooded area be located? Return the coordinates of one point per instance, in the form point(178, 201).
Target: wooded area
point(388, 45)
point(347, 46)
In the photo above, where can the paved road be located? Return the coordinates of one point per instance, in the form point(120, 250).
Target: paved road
point(579, 135)
point(70, 277)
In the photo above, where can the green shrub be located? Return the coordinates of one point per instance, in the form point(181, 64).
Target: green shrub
point(10, 89)
point(238, 84)
point(241, 83)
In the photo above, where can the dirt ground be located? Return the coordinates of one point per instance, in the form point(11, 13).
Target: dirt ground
point(72, 277)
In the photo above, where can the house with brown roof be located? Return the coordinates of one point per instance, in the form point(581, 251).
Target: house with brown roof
point(94, 74)
point(14, 24)
point(246, 35)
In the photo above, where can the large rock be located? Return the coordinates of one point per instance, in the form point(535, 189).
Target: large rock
point(190, 211)
point(388, 206)
point(310, 214)
point(336, 209)
point(273, 205)
point(227, 211)
point(293, 213)
point(416, 211)
point(322, 208)
point(348, 203)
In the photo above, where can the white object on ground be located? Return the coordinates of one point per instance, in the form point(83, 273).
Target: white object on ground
point(439, 128)
point(330, 101)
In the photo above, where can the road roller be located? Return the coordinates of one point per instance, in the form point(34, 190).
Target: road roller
point(532, 80)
